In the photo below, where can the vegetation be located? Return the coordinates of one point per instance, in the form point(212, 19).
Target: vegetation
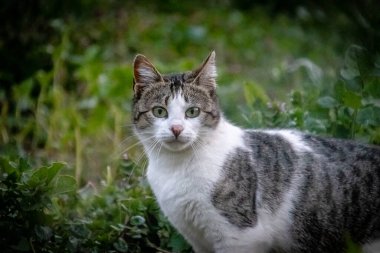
point(65, 95)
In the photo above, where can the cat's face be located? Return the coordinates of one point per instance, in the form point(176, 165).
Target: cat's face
point(174, 111)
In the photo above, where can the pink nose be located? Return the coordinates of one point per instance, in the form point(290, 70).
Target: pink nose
point(176, 129)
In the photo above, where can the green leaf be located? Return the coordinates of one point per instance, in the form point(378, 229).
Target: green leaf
point(350, 72)
point(315, 125)
point(347, 97)
point(137, 220)
point(121, 245)
point(7, 166)
point(253, 92)
point(44, 175)
point(352, 99)
point(64, 184)
point(296, 98)
point(23, 165)
point(327, 102)
point(177, 243)
point(43, 233)
point(80, 231)
point(369, 116)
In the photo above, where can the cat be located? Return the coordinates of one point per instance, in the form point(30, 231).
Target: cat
point(231, 190)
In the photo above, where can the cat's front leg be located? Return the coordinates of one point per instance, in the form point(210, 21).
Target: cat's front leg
point(229, 245)
point(240, 249)
point(197, 244)
point(198, 249)
point(196, 240)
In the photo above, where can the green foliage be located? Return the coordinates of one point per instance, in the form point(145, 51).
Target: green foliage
point(42, 211)
point(349, 108)
point(28, 213)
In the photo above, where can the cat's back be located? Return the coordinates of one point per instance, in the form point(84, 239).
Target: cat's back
point(334, 184)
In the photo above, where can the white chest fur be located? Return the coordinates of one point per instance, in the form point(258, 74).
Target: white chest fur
point(183, 181)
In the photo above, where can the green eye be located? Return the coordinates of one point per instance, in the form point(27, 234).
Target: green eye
point(193, 112)
point(159, 112)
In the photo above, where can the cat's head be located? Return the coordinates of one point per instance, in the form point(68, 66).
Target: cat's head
point(174, 111)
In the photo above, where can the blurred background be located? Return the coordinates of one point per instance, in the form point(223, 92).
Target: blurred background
point(65, 69)
point(66, 73)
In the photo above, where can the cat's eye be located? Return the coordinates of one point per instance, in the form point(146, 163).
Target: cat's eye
point(192, 112)
point(159, 112)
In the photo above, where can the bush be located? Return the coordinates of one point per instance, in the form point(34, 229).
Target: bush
point(349, 109)
point(42, 211)
point(28, 205)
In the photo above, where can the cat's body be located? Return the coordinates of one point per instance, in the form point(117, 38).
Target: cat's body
point(232, 190)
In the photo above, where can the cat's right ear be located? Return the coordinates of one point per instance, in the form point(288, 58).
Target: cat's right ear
point(144, 74)
point(206, 74)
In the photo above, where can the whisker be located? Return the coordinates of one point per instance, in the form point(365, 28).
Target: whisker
point(138, 143)
point(142, 156)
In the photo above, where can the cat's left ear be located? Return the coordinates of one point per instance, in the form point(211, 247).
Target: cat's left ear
point(144, 74)
point(206, 74)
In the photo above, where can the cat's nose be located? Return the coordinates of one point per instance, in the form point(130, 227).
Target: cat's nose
point(176, 129)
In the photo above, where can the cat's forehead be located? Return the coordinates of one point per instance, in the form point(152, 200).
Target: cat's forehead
point(177, 80)
point(173, 86)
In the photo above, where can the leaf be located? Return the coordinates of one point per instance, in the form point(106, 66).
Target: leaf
point(80, 231)
point(349, 73)
point(296, 98)
point(137, 220)
point(315, 125)
point(44, 175)
point(355, 84)
point(352, 100)
point(369, 116)
point(253, 92)
point(121, 245)
point(43, 233)
point(23, 165)
point(327, 102)
point(177, 243)
point(64, 184)
point(7, 166)
point(347, 97)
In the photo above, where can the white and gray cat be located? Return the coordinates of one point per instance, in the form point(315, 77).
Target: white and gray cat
point(232, 190)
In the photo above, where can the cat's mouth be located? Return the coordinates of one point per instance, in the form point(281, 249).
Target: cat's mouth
point(174, 141)
point(176, 144)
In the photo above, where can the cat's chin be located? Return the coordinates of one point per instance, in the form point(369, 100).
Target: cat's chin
point(176, 146)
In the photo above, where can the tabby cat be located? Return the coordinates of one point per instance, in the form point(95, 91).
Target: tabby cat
point(227, 189)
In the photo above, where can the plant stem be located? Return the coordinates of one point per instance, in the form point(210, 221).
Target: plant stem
point(353, 123)
point(78, 155)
